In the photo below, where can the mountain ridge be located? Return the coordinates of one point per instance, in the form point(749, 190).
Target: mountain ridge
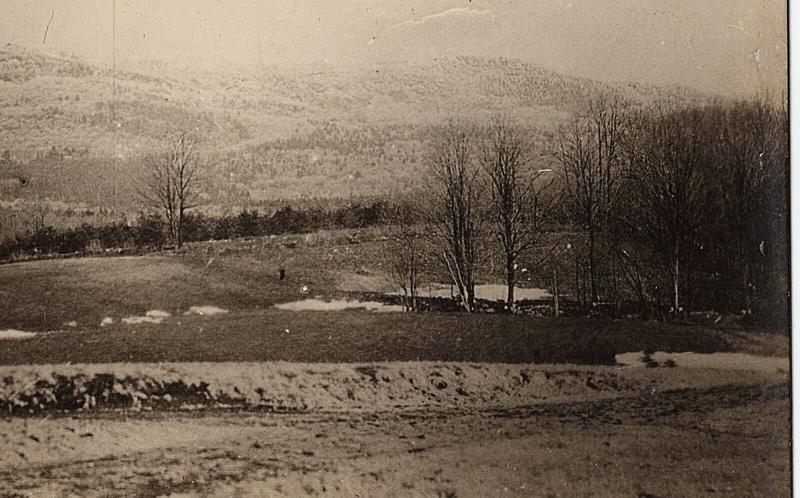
point(273, 133)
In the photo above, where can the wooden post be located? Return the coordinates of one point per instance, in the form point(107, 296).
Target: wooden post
point(555, 291)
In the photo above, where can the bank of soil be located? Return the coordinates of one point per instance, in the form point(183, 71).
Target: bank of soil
point(399, 429)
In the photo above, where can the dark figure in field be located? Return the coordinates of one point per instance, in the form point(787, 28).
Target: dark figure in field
point(282, 274)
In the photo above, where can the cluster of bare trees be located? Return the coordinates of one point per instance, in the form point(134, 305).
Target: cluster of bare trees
point(589, 152)
point(656, 202)
point(484, 184)
point(678, 195)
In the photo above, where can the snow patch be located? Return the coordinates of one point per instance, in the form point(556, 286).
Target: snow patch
point(152, 316)
point(157, 314)
point(10, 334)
point(489, 292)
point(337, 305)
point(205, 310)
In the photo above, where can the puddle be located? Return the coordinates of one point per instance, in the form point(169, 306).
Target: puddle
point(152, 316)
point(205, 310)
point(338, 305)
point(489, 292)
point(10, 334)
point(720, 361)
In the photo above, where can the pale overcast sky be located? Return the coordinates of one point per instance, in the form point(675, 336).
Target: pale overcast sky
point(733, 47)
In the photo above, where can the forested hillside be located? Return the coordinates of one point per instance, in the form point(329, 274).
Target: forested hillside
point(75, 132)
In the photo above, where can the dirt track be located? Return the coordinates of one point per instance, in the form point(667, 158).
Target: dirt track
point(663, 432)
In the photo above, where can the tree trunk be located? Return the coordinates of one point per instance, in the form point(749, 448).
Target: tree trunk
point(510, 281)
point(413, 282)
point(615, 269)
point(555, 292)
point(676, 284)
point(747, 288)
point(173, 231)
point(593, 267)
point(179, 235)
point(578, 291)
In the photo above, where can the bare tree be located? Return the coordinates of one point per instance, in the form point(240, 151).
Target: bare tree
point(666, 159)
point(455, 210)
point(588, 151)
point(750, 150)
point(407, 251)
point(518, 206)
point(171, 184)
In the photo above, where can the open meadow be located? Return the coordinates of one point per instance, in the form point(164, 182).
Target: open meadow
point(175, 374)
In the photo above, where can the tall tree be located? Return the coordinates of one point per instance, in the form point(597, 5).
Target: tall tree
point(750, 152)
point(406, 255)
point(667, 157)
point(170, 184)
point(588, 151)
point(455, 210)
point(518, 206)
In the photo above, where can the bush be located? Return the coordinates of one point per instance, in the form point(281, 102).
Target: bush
point(149, 230)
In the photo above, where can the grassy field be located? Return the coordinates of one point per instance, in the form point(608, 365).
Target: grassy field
point(67, 299)
point(353, 336)
point(43, 295)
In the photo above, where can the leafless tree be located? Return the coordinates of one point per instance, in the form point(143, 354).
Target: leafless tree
point(407, 254)
point(518, 209)
point(170, 183)
point(454, 211)
point(666, 157)
point(750, 150)
point(588, 151)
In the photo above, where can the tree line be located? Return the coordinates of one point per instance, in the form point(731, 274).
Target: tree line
point(671, 207)
point(151, 231)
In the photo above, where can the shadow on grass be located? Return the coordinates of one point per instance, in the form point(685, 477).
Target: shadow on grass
point(357, 336)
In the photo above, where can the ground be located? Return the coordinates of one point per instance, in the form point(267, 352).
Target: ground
point(730, 439)
point(266, 402)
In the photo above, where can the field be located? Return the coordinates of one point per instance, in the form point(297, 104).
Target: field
point(260, 401)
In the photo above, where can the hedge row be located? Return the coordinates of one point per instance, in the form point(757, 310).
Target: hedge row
point(150, 232)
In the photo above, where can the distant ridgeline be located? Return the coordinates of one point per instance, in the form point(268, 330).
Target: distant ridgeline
point(272, 134)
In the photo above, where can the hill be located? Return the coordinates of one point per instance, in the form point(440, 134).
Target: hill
point(74, 132)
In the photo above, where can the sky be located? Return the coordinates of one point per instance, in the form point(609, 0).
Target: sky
point(727, 47)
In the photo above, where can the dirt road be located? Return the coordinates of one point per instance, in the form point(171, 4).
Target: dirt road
point(665, 435)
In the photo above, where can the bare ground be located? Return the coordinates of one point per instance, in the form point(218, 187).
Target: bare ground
point(651, 432)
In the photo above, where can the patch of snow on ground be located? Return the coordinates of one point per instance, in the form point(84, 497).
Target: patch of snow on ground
point(157, 314)
point(9, 334)
point(135, 320)
point(337, 305)
point(718, 361)
point(106, 321)
point(489, 292)
point(152, 316)
point(205, 310)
